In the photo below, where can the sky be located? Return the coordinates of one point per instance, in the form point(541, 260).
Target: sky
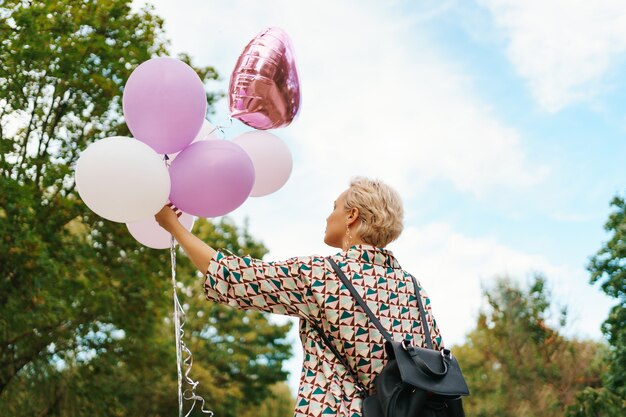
point(501, 123)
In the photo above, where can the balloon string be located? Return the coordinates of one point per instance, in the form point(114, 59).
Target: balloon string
point(221, 128)
point(178, 328)
point(183, 365)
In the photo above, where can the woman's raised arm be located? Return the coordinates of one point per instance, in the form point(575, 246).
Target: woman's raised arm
point(198, 251)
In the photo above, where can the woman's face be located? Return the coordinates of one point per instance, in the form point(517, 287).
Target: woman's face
point(336, 223)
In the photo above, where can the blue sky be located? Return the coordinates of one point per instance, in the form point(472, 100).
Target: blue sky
point(501, 123)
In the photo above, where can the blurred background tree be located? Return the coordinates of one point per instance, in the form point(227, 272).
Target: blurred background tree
point(84, 309)
point(516, 364)
point(608, 268)
point(281, 403)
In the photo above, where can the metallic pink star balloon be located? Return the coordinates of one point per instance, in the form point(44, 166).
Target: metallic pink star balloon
point(264, 90)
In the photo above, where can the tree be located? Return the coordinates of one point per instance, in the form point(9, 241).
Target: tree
point(84, 308)
point(240, 352)
point(608, 268)
point(516, 364)
point(280, 404)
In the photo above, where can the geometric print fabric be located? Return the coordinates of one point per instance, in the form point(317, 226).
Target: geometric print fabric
point(308, 288)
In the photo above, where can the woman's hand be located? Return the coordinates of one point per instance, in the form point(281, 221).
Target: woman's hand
point(199, 252)
point(168, 216)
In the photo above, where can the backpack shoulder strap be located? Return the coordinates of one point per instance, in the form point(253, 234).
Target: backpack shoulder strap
point(427, 338)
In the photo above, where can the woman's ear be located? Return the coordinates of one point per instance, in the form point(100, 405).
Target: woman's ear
point(353, 216)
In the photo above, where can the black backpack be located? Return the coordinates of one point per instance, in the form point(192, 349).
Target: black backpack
point(415, 382)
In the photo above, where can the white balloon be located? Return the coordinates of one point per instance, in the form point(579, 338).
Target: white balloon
point(150, 234)
point(122, 179)
point(271, 159)
point(207, 132)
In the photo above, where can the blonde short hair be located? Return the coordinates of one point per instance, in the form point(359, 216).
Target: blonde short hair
point(380, 210)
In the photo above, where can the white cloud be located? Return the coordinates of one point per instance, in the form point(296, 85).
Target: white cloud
point(563, 48)
point(452, 267)
point(377, 98)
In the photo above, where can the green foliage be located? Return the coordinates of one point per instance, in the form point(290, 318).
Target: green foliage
point(279, 404)
point(85, 310)
point(517, 365)
point(597, 402)
point(608, 267)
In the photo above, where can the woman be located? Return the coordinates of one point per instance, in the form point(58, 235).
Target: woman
point(366, 217)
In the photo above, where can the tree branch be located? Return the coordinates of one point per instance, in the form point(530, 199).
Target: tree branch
point(24, 143)
point(72, 157)
point(47, 136)
point(3, 171)
point(11, 368)
point(44, 125)
point(49, 409)
point(60, 326)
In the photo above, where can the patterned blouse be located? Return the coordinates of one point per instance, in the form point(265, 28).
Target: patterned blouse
point(308, 288)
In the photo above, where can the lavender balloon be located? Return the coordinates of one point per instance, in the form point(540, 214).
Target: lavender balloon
point(164, 104)
point(211, 178)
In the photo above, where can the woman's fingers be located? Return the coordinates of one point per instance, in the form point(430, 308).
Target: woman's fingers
point(175, 209)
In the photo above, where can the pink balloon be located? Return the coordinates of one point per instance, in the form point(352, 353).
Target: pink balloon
point(271, 159)
point(211, 178)
point(264, 90)
point(164, 104)
point(150, 234)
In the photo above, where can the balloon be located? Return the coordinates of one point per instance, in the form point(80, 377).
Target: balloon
point(150, 234)
point(207, 132)
point(264, 90)
point(271, 159)
point(122, 179)
point(211, 178)
point(164, 104)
